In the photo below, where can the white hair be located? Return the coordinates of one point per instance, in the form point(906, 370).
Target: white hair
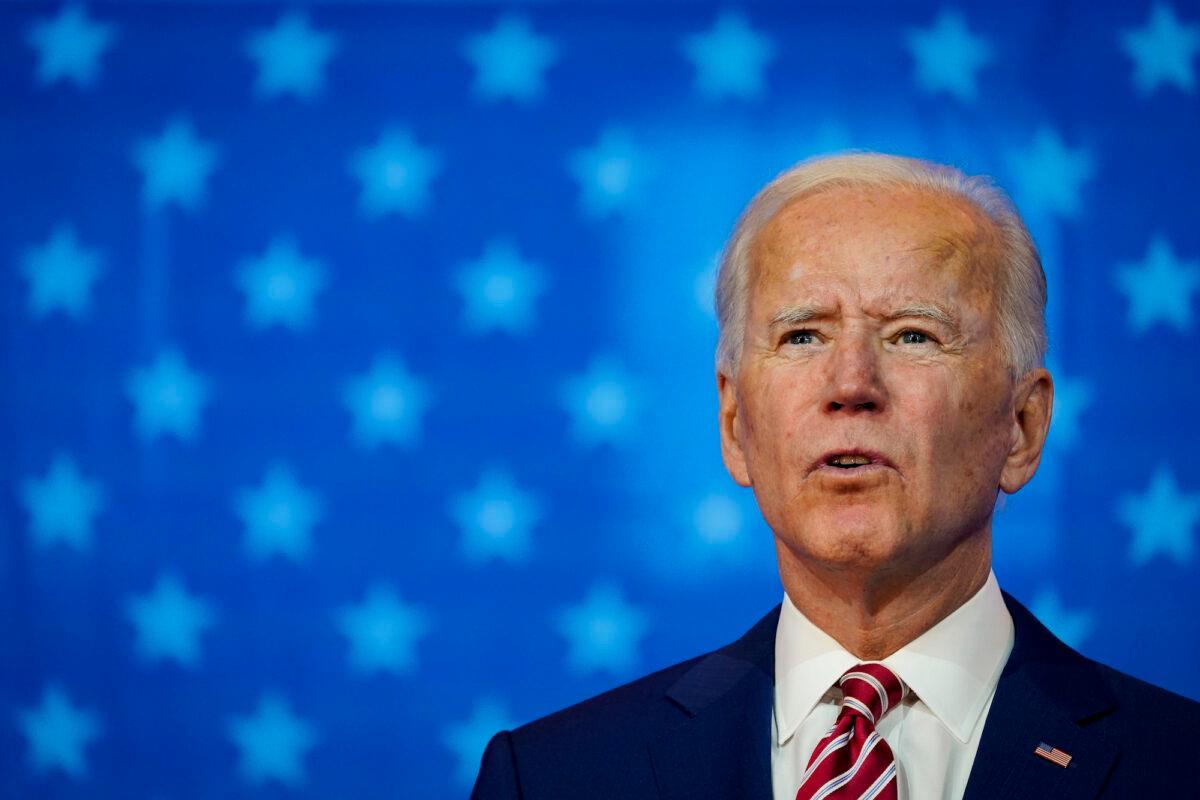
point(1021, 284)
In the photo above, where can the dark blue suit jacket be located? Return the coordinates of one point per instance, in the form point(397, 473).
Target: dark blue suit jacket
point(701, 729)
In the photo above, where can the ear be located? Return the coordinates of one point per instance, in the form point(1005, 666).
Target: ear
point(731, 429)
point(1033, 403)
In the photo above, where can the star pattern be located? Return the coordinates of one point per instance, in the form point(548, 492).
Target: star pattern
point(602, 632)
point(1048, 176)
point(1073, 627)
point(291, 57)
point(280, 286)
point(169, 622)
point(717, 518)
point(730, 58)
point(1159, 288)
point(948, 56)
point(175, 166)
point(1162, 51)
point(168, 396)
point(278, 516)
point(499, 290)
point(60, 274)
point(607, 172)
point(358, 360)
point(58, 733)
point(601, 402)
point(395, 174)
point(1162, 519)
point(272, 743)
point(383, 632)
point(69, 46)
point(510, 60)
point(63, 505)
point(387, 403)
point(495, 518)
point(468, 739)
point(1072, 397)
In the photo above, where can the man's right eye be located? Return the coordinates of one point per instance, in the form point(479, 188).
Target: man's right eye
point(801, 337)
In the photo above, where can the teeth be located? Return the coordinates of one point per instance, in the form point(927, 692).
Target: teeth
point(848, 461)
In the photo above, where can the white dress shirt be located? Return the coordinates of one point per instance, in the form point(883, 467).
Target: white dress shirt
point(951, 670)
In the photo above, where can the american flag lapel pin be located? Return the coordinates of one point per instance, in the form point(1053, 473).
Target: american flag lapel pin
point(1052, 754)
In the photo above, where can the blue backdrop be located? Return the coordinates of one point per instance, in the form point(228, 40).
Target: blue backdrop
point(357, 393)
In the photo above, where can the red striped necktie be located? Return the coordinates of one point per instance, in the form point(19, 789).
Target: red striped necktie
point(853, 762)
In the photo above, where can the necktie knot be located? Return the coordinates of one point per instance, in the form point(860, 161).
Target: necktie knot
point(870, 690)
point(853, 761)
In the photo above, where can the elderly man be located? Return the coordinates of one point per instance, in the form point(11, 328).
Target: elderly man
point(880, 382)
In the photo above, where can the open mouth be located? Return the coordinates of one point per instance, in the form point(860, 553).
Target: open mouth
point(848, 461)
point(851, 461)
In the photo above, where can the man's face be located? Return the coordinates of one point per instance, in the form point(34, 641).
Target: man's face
point(871, 329)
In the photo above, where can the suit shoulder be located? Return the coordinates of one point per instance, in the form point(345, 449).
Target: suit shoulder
point(1149, 702)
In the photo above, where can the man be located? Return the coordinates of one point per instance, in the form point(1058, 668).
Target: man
point(880, 382)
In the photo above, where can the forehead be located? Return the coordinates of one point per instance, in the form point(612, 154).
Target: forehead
point(889, 239)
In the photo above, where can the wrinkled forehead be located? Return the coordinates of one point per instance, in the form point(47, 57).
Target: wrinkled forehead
point(886, 229)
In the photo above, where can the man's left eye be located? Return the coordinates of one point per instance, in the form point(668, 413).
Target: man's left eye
point(914, 337)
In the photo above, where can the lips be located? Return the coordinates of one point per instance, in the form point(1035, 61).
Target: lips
point(873, 458)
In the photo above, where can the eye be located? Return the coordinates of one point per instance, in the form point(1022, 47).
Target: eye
point(803, 336)
point(911, 336)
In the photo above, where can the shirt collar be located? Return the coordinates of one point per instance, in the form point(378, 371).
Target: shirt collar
point(953, 667)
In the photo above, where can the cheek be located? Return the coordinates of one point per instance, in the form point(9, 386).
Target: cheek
point(776, 418)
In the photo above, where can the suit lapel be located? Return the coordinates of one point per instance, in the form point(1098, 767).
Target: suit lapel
point(1045, 691)
point(723, 748)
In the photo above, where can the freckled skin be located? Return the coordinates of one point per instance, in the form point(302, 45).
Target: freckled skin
point(877, 560)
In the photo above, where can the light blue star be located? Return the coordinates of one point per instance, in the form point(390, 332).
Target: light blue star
point(60, 274)
point(602, 632)
point(1072, 396)
point(383, 632)
point(167, 396)
point(607, 172)
point(1159, 288)
point(58, 732)
point(468, 739)
point(62, 505)
point(601, 402)
point(510, 60)
point(717, 518)
point(948, 55)
point(1162, 51)
point(1048, 175)
point(69, 45)
point(278, 516)
point(729, 58)
point(499, 289)
point(495, 518)
point(1073, 627)
point(280, 286)
point(272, 743)
point(168, 622)
point(1161, 518)
point(291, 57)
point(175, 166)
point(395, 174)
point(387, 403)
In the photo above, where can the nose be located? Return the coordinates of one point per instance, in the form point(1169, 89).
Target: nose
point(854, 383)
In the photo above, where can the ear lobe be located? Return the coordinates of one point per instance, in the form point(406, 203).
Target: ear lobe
point(731, 429)
point(1034, 405)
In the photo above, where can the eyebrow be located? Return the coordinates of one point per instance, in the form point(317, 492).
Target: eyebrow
point(795, 315)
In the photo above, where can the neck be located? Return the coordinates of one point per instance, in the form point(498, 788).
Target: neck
point(874, 612)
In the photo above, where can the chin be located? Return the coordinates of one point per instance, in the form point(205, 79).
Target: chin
point(851, 537)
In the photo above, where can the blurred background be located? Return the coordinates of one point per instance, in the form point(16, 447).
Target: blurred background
point(357, 394)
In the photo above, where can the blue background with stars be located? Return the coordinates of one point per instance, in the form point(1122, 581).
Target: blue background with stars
point(357, 392)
